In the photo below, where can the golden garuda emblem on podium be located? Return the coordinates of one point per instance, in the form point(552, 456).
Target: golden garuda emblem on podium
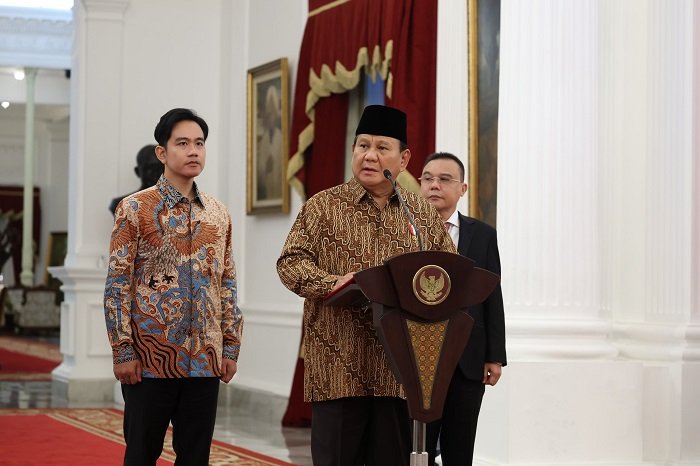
point(431, 284)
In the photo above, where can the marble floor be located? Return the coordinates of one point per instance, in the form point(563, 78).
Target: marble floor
point(259, 432)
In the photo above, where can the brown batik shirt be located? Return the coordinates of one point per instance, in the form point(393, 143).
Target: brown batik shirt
point(338, 231)
point(171, 294)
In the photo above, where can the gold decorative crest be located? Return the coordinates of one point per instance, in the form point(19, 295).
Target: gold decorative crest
point(431, 284)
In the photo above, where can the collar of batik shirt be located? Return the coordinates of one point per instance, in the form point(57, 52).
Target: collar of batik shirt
point(172, 196)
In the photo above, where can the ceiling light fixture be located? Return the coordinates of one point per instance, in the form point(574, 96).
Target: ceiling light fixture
point(19, 75)
point(5, 104)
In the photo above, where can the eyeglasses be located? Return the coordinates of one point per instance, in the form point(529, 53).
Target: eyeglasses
point(442, 180)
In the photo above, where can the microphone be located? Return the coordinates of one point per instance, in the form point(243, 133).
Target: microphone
point(411, 220)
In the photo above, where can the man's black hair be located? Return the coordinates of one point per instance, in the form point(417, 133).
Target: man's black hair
point(167, 122)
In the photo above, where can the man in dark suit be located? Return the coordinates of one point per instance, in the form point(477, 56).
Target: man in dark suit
point(442, 184)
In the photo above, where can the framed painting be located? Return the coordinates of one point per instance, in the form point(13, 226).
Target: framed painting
point(268, 138)
point(484, 54)
point(57, 246)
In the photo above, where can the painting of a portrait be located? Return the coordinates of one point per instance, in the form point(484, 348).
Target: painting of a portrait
point(268, 190)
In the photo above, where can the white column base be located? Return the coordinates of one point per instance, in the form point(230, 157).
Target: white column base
point(533, 338)
point(86, 371)
point(82, 391)
point(563, 412)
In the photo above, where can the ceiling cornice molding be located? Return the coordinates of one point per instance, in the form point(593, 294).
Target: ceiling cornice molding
point(36, 13)
point(35, 37)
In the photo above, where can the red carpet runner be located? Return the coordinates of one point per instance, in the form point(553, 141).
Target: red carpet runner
point(88, 437)
point(25, 359)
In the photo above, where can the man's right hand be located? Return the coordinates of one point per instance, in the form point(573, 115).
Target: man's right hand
point(343, 280)
point(128, 372)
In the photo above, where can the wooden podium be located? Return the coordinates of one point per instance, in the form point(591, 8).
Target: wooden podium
point(420, 303)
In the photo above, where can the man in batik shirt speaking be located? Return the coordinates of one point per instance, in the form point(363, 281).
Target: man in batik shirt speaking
point(359, 414)
point(170, 301)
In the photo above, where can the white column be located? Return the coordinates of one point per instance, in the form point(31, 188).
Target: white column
point(695, 170)
point(647, 143)
point(690, 422)
point(651, 262)
point(27, 273)
point(86, 371)
point(563, 398)
point(452, 91)
point(548, 176)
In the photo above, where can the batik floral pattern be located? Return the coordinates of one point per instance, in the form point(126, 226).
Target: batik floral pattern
point(170, 296)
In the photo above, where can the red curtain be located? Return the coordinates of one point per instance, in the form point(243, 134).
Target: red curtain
point(324, 167)
point(343, 40)
point(414, 73)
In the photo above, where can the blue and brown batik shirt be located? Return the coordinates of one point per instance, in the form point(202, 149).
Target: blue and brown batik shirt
point(171, 297)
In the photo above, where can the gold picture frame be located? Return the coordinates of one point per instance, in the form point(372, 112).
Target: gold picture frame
point(484, 53)
point(56, 249)
point(268, 138)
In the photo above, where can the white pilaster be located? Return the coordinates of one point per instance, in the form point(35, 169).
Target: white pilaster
point(647, 149)
point(86, 371)
point(95, 124)
point(695, 203)
point(451, 106)
point(687, 420)
point(563, 398)
point(548, 166)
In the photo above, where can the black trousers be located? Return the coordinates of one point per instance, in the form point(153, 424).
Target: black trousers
point(457, 428)
point(149, 406)
point(368, 430)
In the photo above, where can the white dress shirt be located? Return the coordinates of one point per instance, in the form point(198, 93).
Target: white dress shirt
point(453, 229)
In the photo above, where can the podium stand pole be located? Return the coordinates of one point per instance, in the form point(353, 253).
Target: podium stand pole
point(419, 457)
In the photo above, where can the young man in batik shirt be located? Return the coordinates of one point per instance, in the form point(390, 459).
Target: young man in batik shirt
point(170, 301)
